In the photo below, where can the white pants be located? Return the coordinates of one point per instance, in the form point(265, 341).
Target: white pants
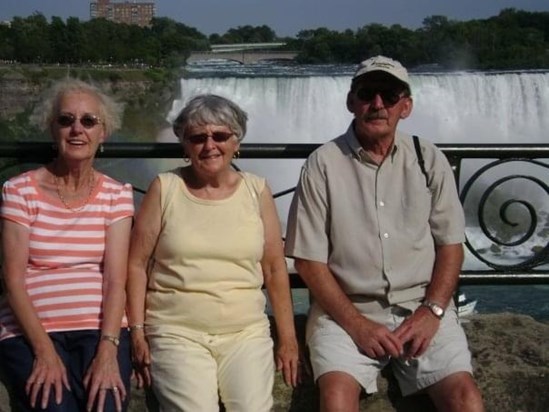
point(191, 369)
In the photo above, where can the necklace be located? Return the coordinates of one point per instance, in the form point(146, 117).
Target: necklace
point(91, 184)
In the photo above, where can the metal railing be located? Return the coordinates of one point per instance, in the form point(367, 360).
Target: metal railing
point(504, 191)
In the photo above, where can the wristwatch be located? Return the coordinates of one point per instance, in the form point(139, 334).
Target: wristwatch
point(113, 339)
point(435, 308)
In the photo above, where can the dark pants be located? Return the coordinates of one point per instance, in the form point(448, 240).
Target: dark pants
point(77, 350)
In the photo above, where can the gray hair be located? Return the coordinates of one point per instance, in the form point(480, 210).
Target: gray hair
point(212, 109)
point(110, 111)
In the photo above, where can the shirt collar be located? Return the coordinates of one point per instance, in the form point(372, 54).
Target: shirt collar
point(358, 150)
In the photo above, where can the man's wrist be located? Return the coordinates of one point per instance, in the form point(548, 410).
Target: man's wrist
point(434, 308)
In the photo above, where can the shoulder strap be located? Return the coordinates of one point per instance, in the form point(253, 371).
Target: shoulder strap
point(168, 189)
point(420, 160)
point(252, 189)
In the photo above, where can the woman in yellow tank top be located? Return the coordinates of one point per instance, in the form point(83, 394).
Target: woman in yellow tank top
point(205, 241)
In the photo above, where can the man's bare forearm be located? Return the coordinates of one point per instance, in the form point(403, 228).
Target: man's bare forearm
point(446, 270)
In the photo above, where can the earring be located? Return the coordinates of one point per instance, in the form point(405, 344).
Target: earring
point(101, 148)
point(236, 155)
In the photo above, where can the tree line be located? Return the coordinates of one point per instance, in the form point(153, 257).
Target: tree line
point(514, 39)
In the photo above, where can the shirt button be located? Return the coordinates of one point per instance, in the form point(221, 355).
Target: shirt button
point(386, 235)
point(382, 203)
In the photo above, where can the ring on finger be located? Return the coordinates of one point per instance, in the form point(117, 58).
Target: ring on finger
point(114, 389)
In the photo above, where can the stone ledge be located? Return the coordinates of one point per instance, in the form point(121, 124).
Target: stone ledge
point(510, 359)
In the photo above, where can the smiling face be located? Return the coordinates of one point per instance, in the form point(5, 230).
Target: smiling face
point(79, 139)
point(378, 102)
point(210, 148)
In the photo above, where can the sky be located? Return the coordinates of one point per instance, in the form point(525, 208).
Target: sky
point(288, 17)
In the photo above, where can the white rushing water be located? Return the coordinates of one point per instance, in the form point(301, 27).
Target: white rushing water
point(448, 108)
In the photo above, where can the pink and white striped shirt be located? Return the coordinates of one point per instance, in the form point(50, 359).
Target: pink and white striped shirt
point(64, 276)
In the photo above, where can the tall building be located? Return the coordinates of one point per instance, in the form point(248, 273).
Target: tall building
point(129, 12)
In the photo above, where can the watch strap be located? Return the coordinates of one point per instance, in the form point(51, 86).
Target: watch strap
point(435, 308)
point(113, 339)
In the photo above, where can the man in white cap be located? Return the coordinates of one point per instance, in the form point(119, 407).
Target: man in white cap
point(376, 229)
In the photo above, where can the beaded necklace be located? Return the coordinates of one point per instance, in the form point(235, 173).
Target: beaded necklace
point(91, 184)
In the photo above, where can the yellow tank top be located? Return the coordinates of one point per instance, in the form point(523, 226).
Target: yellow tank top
point(206, 272)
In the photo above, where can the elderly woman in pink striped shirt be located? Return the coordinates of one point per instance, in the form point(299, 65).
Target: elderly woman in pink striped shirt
point(65, 233)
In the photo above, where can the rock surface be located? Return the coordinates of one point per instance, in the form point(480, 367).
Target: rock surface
point(511, 362)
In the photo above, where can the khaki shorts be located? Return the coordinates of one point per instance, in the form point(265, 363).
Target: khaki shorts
point(333, 350)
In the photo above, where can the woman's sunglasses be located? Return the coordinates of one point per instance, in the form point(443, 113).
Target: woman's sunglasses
point(201, 138)
point(88, 121)
point(390, 97)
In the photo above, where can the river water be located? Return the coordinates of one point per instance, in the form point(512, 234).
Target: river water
point(306, 104)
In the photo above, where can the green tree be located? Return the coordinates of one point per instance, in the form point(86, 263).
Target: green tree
point(249, 34)
point(30, 39)
point(176, 40)
point(59, 40)
point(75, 38)
point(322, 45)
point(100, 41)
point(6, 46)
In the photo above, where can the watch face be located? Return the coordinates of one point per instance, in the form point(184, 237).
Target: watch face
point(437, 310)
point(114, 340)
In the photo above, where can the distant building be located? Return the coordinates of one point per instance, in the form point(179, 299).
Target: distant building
point(129, 12)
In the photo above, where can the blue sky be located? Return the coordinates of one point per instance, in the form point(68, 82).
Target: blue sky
point(288, 17)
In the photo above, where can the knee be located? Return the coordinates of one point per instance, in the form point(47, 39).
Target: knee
point(469, 397)
point(457, 392)
point(338, 392)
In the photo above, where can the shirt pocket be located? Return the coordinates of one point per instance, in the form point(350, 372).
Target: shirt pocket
point(416, 209)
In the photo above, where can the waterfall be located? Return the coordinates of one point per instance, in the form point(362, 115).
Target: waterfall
point(448, 108)
point(481, 108)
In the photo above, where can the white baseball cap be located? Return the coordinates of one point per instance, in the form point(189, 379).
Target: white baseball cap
point(384, 64)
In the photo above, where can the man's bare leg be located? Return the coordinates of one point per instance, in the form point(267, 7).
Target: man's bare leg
point(457, 393)
point(339, 392)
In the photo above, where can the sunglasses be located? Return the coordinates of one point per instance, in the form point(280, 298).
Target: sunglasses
point(390, 97)
point(88, 121)
point(201, 138)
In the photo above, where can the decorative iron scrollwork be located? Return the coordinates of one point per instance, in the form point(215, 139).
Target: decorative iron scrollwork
point(535, 231)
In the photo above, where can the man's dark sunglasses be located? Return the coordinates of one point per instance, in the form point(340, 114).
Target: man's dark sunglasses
point(390, 97)
point(201, 138)
point(88, 121)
